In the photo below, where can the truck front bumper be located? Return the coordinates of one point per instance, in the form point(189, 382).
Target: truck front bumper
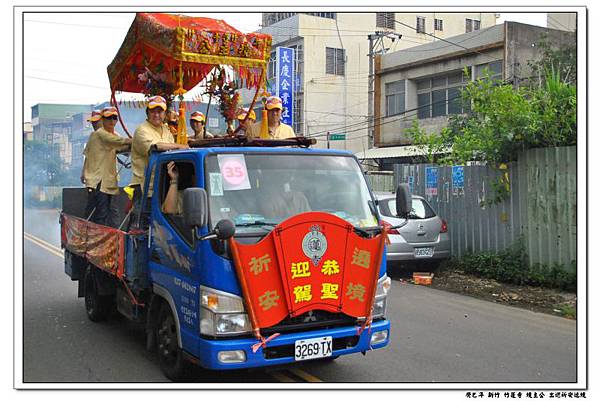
point(280, 350)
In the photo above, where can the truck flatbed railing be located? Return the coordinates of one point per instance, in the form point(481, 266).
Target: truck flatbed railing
point(242, 140)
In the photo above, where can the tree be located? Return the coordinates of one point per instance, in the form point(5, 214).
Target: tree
point(504, 120)
point(560, 60)
point(41, 167)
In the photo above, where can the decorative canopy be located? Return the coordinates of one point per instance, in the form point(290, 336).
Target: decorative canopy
point(177, 52)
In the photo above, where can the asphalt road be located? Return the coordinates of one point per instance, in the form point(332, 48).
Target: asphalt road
point(436, 336)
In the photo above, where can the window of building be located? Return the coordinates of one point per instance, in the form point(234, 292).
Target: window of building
point(420, 24)
point(438, 24)
point(385, 20)
point(323, 15)
point(273, 18)
point(423, 105)
point(271, 67)
point(298, 114)
point(438, 103)
point(493, 69)
point(440, 95)
point(472, 25)
point(334, 61)
point(394, 98)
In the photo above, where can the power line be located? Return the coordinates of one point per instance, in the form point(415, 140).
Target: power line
point(78, 25)
point(363, 32)
point(27, 69)
point(365, 124)
point(341, 129)
point(67, 82)
point(447, 41)
point(557, 22)
point(335, 83)
point(59, 61)
point(413, 50)
point(337, 114)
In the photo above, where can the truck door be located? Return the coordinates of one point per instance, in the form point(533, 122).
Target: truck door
point(172, 257)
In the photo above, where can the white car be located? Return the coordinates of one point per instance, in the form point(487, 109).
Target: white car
point(424, 238)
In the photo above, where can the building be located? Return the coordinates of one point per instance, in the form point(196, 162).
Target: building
point(81, 129)
point(62, 148)
point(424, 82)
point(27, 132)
point(332, 62)
point(44, 116)
point(562, 21)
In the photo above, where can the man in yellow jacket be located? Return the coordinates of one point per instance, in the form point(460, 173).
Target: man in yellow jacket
point(96, 120)
point(152, 132)
point(198, 124)
point(248, 125)
point(100, 170)
point(277, 129)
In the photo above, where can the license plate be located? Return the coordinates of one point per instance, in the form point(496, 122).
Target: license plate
point(313, 348)
point(423, 252)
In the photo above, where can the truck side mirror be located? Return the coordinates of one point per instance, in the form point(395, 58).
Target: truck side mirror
point(195, 207)
point(403, 200)
point(224, 229)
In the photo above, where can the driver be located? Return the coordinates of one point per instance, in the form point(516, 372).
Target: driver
point(173, 203)
point(281, 201)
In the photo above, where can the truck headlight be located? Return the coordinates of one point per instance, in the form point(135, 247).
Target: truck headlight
point(220, 301)
point(384, 284)
point(222, 313)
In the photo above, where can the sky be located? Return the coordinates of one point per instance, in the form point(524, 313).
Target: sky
point(65, 55)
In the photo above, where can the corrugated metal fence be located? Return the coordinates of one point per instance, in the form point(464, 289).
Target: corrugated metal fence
point(540, 210)
point(381, 182)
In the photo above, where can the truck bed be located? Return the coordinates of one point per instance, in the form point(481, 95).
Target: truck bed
point(102, 246)
point(116, 252)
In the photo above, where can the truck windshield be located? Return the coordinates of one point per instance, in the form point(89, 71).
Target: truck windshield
point(258, 191)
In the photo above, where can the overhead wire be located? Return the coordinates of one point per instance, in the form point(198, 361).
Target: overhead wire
point(366, 124)
point(450, 42)
point(106, 88)
point(77, 25)
point(404, 117)
point(557, 22)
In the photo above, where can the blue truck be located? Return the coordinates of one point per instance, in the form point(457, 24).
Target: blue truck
point(176, 277)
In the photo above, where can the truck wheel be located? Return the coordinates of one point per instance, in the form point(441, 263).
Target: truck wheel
point(169, 354)
point(96, 306)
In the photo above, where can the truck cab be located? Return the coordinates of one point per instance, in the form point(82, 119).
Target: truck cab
point(181, 280)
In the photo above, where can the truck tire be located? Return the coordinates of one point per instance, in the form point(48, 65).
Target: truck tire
point(97, 307)
point(170, 356)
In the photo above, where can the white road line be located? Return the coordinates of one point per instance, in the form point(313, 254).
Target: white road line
point(45, 245)
point(276, 375)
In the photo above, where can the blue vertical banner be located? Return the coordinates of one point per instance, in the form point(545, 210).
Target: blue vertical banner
point(458, 180)
point(431, 181)
point(285, 83)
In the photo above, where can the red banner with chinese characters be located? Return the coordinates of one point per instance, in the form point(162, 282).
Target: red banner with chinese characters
point(311, 261)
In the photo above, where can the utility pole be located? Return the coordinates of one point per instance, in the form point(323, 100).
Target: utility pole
point(376, 46)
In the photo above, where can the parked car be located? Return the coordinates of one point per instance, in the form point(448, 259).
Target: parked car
point(424, 239)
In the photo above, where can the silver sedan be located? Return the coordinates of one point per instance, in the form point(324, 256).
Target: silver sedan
point(424, 238)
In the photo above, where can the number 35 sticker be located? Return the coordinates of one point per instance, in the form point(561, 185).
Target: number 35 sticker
point(234, 172)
